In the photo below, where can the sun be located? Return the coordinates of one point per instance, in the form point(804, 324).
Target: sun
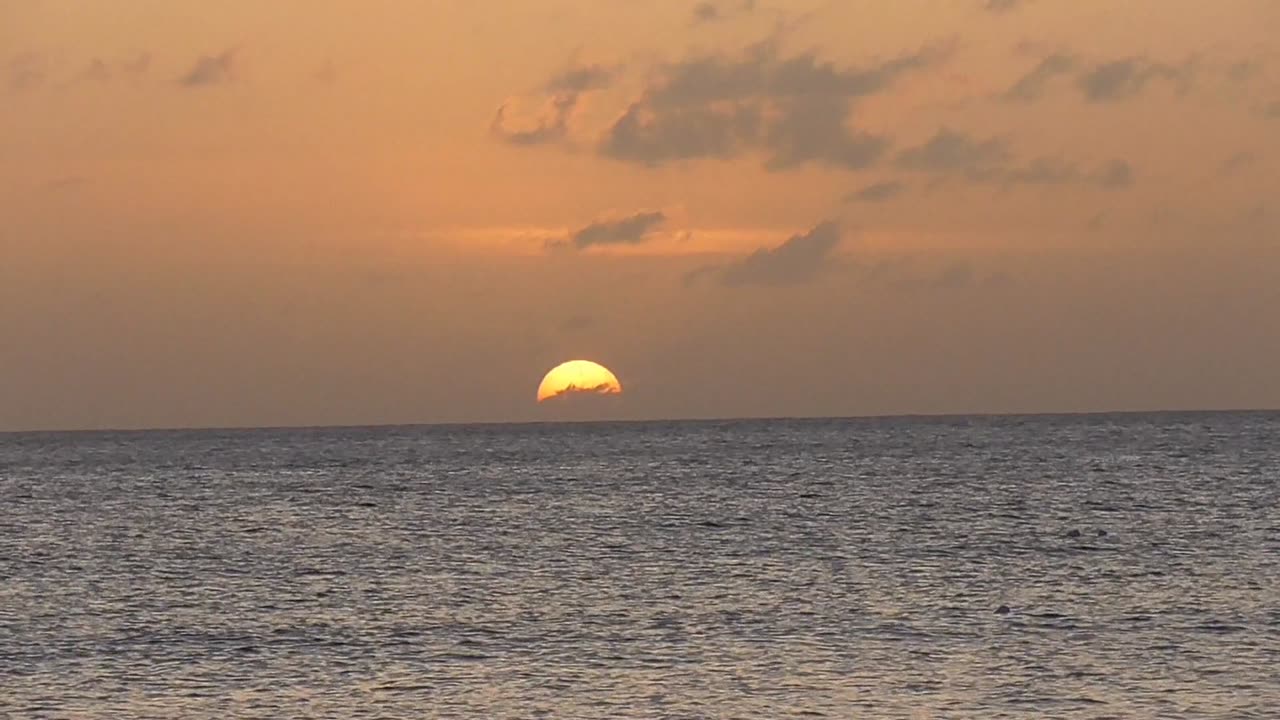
point(578, 376)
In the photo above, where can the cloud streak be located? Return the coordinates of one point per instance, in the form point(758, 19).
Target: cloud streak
point(209, 70)
point(564, 91)
point(990, 161)
point(1118, 80)
point(551, 126)
point(877, 192)
point(1032, 85)
point(798, 260)
point(630, 230)
point(1107, 81)
point(793, 110)
point(26, 71)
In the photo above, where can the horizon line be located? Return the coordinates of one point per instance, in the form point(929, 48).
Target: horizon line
point(635, 421)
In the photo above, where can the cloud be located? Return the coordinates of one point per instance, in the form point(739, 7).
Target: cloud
point(104, 71)
point(550, 127)
point(1272, 110)
point(97, 71)
point(565, 89)
point(1099, 82)
point(1122, 79)
point(990, 161)
point(210, 70)
point(582, 78)
point(708, 11)
point(1237, 162)
point(1032, 85)
point(949, 151)
point(644, 137)
point(138, 65)
point(798, 260)
point(630, 230)
point(1000, 6)
point(793, 110)
point(813, 130)
point(26, 71)
point(877, 192)
point(705, 12)
point(1115, 174)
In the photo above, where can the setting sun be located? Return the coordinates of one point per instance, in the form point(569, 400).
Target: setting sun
point(578, 376)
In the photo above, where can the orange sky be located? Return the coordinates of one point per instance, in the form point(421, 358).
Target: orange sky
point(249, 213)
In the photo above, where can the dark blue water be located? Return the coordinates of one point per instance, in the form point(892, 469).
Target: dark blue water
point(753, 569)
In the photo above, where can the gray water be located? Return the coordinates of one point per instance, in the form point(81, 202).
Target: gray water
point(750, 569)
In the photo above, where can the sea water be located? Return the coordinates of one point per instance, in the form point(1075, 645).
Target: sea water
point(735, 569)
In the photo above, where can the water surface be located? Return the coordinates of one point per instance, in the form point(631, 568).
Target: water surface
point(747, 569)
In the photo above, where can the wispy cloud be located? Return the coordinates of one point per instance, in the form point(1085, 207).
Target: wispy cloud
point(799, 259)
point(1001, 6)
point(209, 70)
point(581, 78)
point(877, 192)
point(990, 161)
point(710, 11)
point(551, 124)
point(1117, 80)
point(1105, 81)
point(629, 230)
point(562, 95)
point(792, 109)
point(1032, 85)
point(26, 71)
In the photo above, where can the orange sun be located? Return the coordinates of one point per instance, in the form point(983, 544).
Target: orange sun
point(578, 376)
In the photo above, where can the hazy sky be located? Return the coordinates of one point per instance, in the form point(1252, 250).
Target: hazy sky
point(323, 212)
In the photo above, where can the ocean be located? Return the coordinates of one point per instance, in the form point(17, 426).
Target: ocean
point(716, 569)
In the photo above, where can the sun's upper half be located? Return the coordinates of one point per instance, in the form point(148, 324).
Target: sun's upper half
point(578, 376)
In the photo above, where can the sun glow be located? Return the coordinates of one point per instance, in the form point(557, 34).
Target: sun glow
point(578, 376)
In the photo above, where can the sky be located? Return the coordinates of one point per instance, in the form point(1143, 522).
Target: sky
point(318, 212)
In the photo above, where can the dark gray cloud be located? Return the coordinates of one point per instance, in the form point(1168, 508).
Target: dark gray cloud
point(630, 230)
point(552, 127)
point(1032, 85)
point(1099, 82)
point(798, 260)
point(813, 130)
point(583, 78)
point(644, 137)
point(709, 11)
point(952, 152)
point(877, 192)
point(1122, 79)
point(210, 70)
point(793, 110)
point(705, 12)
point(26, 71)
point(1000, 6)
point(990, 161)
